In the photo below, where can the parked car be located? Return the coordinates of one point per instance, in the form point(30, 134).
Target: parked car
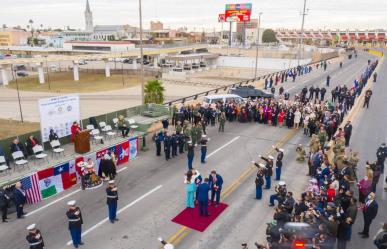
point(128, 61)
point(82, 62)
point(250, 92)
point(22, 74)
point(195, 65)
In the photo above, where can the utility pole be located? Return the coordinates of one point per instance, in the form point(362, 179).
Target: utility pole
point(304, 13)
point(142, 56)
point(257, 44)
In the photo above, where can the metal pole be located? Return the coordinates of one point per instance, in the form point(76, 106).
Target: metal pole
point(122, 69)
point(48, 75)
point(142, 56)
point(18, 97)
point(229, 35)
point(302, 32)
point(257, 49)
point(221, 35)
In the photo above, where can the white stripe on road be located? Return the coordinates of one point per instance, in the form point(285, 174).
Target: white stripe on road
point(218, 149)
point(52, 203)
point(118, 212)
point(62, 198)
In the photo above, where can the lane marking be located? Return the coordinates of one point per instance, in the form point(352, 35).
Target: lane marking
point(183, 232)
point(52, 203)
point(223, 146)
point(118, 212)
point(62, 198)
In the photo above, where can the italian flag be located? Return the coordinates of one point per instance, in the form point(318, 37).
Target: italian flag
point(54, 180)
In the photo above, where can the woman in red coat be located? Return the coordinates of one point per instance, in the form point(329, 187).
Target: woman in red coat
point(75, 129)
point(281, 117)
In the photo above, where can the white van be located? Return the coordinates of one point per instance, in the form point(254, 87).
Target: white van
point(212, 99)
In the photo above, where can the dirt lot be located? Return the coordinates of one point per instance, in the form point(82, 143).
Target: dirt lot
point(10, 128)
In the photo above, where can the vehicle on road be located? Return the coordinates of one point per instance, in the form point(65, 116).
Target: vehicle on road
point(250, 92)
point(22, 74)
point(225, 98)
point(82, 62)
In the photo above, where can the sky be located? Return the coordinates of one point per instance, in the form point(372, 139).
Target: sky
point(196, 14)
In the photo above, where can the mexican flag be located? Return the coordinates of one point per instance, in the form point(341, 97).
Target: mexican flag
point(54, 180)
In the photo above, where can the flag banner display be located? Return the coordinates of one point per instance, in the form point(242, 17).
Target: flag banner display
point(122, 152)
point(133, 148)
point(73, 172)
point(30, 185)
point(54, 180)
point(93, 157)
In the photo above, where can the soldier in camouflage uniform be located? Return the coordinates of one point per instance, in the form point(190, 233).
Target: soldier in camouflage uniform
point(199, 132)
point(301, 153)
point(222, 121)
point(322, 136)
point(314, 143)
point(178, 128)
point(194, 134)
point(187, 137)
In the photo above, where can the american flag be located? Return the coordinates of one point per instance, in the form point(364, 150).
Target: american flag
point(31, 186)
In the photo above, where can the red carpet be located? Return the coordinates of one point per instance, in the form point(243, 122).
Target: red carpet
point(190, 217)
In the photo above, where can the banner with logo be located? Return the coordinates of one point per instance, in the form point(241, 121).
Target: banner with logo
point(58, 113)
point(122, 152)
point(133, 148)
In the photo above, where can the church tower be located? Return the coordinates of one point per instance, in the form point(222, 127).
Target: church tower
point(89, 18)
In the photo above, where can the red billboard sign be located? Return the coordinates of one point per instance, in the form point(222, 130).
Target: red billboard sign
point(238, 12)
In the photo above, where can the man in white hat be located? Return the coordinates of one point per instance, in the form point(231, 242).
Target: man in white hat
point(279, 195)
point(112, 199)
point(203, 148)
point(268, 170)
point(34, 238)
point(278, 163)
point(74, 217)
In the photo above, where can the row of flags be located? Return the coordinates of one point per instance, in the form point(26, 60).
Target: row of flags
point(51, 181)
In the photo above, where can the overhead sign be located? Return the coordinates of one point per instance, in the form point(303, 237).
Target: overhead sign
point(238, 12)
point(58, 113)
point(222, 18)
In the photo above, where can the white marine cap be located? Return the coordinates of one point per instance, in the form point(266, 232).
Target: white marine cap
point(282, 183)
point(169, 246)
point(280, 149)
point(111, 182)
point(204, 135)
point(271, 157)
point(31, 227)
point(71, 203)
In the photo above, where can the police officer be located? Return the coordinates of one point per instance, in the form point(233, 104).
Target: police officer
point(268, 170)
point(167, 146)
point(181, 142)
point(174, 144)
point(381, 155)
point(158, 139)
point(190, 154)
point(74, 217)
point(34, 237)
point(203, 148)
point(111, 201)
point(278, 163)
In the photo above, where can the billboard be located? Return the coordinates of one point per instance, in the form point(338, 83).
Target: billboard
point(58, 113)
point(238, 12)
point(222, 18)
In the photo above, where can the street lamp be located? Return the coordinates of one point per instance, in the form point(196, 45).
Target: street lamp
point(142, 55)
point(304, 13)
point(256, 54)
point(17, 90)
point(48, 74)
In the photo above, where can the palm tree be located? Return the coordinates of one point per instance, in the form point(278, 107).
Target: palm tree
point(154, 92)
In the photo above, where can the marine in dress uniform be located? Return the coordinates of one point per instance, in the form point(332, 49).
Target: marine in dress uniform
point(259, 180)
point(190, 154)
point(167, 147)
point(174, 144)
point(203, 148)
point(111, 201)
point(74, 217)
point(268, 170)
point(278, 163)
point(279, 195)
point(34, 237)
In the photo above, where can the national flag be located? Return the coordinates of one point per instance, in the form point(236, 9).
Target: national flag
point(122, 152)
point(31, 187)
point(54, 180)
point(133, 148)
point(73, 172)
point(78, 169)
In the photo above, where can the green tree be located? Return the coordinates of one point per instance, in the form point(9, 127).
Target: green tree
point(269, 36)
point(154, 92)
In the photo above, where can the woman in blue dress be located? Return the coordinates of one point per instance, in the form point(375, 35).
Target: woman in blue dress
point(190, 188)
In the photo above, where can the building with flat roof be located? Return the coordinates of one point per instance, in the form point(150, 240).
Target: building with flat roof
point(13, 37)
point(156, 25)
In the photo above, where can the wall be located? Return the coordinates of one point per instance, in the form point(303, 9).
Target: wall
point(263, 63)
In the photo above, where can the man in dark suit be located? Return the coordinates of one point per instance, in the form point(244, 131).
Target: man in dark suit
point(19, 198)
point(202, 197)
point(369, 213)
point(215, 182)
point(17, 146)
point(347, 133)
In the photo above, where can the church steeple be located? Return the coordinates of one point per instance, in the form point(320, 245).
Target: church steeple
point(89, 17)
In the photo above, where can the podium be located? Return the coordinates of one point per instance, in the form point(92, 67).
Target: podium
point(82, 142)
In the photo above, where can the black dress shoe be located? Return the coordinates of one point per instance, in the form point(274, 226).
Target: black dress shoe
point(360, 233)
point(81, 243)
point(116, 219)
point(5, 221)
point(365, 236)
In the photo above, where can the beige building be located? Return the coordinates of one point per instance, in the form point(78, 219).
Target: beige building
point(13, 37)
point(157, 25)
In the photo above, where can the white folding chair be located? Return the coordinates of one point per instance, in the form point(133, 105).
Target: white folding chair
point(90, 127)
point(132, 125)
point(108, 132)
point(102, 125)
point(38, 152)
point(19, 159)
point(3, 165)
point(96, 135)
point(56, 149)
point(115, 123)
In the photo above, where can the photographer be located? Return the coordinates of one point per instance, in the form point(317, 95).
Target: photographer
point(280, 194)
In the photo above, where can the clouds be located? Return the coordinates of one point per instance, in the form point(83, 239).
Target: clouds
point(195, 13)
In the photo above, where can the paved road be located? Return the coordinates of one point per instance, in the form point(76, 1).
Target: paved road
point(152, 192)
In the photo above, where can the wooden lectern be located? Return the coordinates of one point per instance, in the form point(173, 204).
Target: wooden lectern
point(82, 142)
